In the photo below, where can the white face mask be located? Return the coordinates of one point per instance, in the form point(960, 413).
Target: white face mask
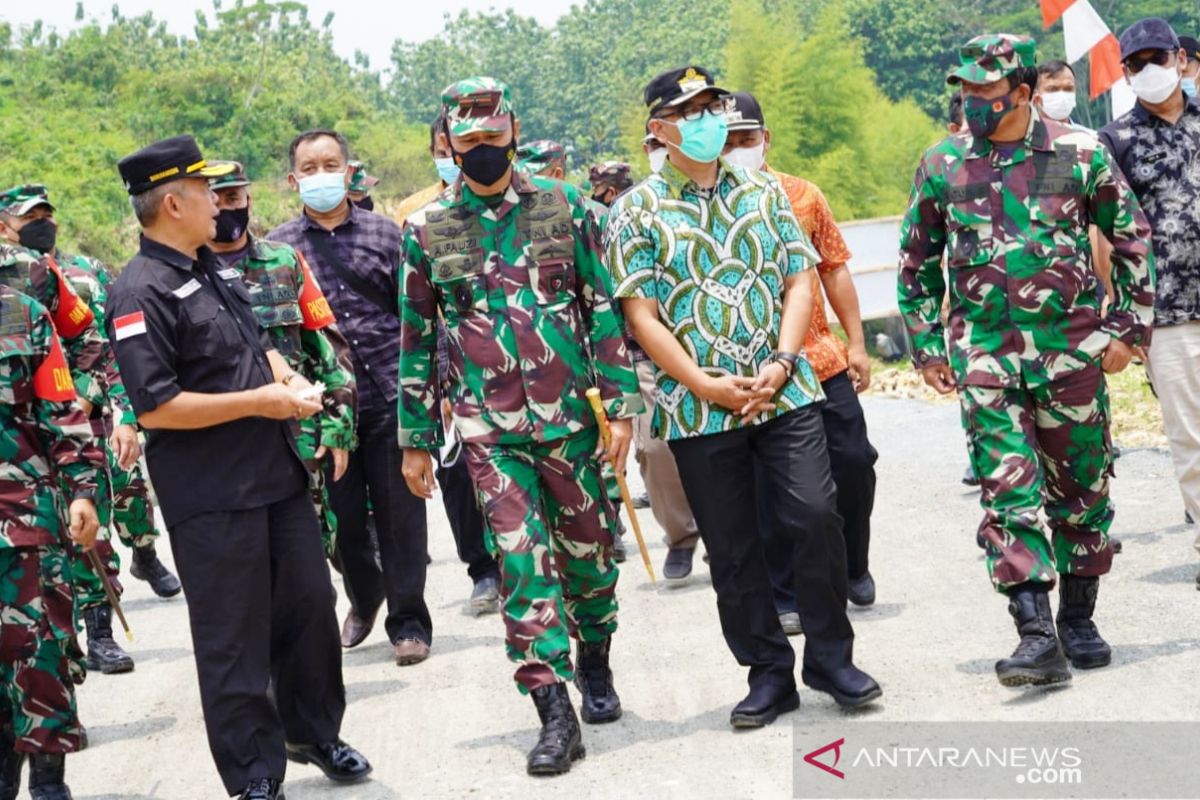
point(746, 157)
point(658, 159)
point(1154, 84)
point(1058, 105)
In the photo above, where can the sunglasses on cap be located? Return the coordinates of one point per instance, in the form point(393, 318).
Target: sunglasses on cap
point(1159, 58)
point(481, 104)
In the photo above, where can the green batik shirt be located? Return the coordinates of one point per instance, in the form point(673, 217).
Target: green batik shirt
point(90, 280)
point(716, 261)
point(1013, 226)
point(529, 315)
point(44, 436)
point(291, 308)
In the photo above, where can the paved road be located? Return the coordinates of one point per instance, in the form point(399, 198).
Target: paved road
point(455, 726)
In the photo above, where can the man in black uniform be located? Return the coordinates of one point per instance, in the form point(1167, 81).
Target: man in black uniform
point(215, 400)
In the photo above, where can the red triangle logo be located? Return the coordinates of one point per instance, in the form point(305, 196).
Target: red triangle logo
point(836, 747)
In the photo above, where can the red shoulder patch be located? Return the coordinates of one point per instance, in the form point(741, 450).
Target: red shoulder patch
point(72, 317)
point(52, 381)
point(313, 305)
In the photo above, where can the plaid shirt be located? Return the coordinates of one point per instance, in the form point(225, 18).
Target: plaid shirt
point(368, 244)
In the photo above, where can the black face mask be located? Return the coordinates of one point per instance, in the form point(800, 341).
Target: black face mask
point(40, 235)
point(231, 224)
point(602, 198)
point(486, 163)
point(366, 204)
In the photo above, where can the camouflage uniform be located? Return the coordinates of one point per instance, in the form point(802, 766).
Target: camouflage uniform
point(44, 439)
point(531, 326)
point(539, 155)
point(1025, 331)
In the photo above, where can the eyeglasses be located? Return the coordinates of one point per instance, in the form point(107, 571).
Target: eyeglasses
point(1159, 58)
point(715, 107)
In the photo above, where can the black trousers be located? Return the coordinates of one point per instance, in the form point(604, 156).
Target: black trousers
point(720, 474)
point(852, 463)
point(262, 614)
point(466, 521)
point(398, 574)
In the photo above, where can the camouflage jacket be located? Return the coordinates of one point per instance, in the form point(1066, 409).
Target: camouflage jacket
point(40, 278)
point(90, 279)
point(292, 310)
point(529, 312)
point(1024, 297)
point(44, 435)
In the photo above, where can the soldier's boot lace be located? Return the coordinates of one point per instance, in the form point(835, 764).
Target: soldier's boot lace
point(594, 679)
point(10, 764)
point(104, 653)
point(46, 777)
point(1081, 640)
point(1038, 659)
point(559, 742)
point(149, 568)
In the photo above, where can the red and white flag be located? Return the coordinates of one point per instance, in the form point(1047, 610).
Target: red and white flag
point(129, 325)
point(1086, 34)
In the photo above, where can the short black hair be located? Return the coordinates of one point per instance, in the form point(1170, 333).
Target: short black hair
point(954, 111)
point(1051, 68)
point(317, 133)
point(437, 126)
point(1023, 75)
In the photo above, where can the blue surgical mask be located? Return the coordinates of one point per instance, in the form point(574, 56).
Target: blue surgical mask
point(447, 170)
point(703, 138)
point(324, 191)
point(1189, 86)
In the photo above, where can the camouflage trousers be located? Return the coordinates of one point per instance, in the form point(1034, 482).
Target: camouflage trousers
point(548, 521)
point(89, 590)
point(1043, 448)
point(306, 443)
point(37, 644)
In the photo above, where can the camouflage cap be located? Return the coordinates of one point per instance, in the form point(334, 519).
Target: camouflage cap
point(360, 181)
point(236, 176)
point(988, 58)
point(610, 173)
point(477, 105)
point(535, 156)
point(20, 200)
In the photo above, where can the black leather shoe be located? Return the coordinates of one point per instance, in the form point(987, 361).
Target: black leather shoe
point(559, 743)
point(594, 680)
point(10, 765)
point(678, 564)
point(764, 703)
point(46, 777)
point(829, 667)
point(263, 789)
point(104, 654)
point(1038, 659)
point(339, 761)
point(861, 591)
point(149, 568)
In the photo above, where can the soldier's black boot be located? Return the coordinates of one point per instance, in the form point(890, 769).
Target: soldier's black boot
point(104, 653)
point(46, 781)
point(560, 742)
point(1038, 659)
point(1081, 641)
point(147, 567)
point(594, 680)
point(10, 765)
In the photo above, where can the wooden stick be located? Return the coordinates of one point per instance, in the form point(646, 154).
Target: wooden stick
point(593, 396)
point(98, 566)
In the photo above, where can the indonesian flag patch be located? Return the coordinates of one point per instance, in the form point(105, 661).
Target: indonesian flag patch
point(129, 325)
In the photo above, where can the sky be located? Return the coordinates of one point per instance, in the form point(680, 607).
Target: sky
point(367, 25)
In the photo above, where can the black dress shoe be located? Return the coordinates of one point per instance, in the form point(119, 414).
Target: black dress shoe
point(764, 703)
point(829, 667)
point(339, 761)
point(861, 591)
point(678, 564)
point(263, 789)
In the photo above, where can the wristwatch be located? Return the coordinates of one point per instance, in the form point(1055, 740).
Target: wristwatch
point(787, 359)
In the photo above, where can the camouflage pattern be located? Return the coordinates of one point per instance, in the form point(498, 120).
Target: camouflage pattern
point(1050, 440)
point(548, 522)
point(477, 105)
point(292, 310)
point(610, 173)
point(539, 155)
point(234, 178)
point(360, 181)
point(20, 200)
point(39, 277)
point(1024, 304)
point(988, 58)
point(529, 313)
point(37, 650)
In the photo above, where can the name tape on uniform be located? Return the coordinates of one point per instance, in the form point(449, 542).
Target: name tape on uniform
point(129, 325)
point(228, 274)
point(188, 289)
